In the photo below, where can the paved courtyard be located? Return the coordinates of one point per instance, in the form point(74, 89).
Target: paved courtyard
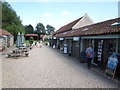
point(48, 68)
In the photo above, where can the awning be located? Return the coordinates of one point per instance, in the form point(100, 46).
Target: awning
point(101, 37)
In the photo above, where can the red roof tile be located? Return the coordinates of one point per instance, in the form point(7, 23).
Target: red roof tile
point(41, 36)
point(4, 32)
point(94, 29)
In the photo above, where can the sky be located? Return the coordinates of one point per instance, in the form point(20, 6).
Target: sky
point(58, 14)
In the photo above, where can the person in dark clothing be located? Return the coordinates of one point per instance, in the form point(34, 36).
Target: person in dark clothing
point(90, 55)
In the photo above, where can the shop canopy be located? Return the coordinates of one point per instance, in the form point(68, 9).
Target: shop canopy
point(4, 32)
point(31, 35)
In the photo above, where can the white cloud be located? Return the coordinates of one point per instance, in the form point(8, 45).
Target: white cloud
point(66, 13)
point(48, 15)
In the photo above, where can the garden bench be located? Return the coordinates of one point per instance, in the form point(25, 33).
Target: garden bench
point(26, 54)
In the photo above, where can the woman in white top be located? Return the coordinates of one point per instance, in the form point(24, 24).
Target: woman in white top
point(40, 44)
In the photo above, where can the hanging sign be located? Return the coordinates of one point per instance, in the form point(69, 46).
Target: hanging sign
point(54, 38)
point(50, 38)
point(100, 45)
point(76, 38)
point(61, 38)
point(4, 36)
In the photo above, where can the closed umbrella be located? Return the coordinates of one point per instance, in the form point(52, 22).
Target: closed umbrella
point(18, 42)
point(22, 39)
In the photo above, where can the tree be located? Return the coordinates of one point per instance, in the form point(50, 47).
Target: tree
point(49, 29)
point(29, 29)
point(0, 14)
point(10, 21)
point(40, 30)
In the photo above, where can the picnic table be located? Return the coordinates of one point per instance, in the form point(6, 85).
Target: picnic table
point(19, 52)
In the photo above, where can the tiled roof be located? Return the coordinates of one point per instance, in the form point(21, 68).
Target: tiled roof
point(31, 34)
point(109, 26)
point(4, 32)
point(67, 27)
point(41, 36)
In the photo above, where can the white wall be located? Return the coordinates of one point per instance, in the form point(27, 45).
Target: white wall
point(86, 20)
point(11, 41)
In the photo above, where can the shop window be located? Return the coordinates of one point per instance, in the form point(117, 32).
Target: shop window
point(77, 44)
point(113, 45)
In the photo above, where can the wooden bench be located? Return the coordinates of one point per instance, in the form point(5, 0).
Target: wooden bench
point(14, 55)
point(26, 54)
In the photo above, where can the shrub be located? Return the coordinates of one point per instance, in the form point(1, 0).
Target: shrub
point(31, 40)
point(46, 39)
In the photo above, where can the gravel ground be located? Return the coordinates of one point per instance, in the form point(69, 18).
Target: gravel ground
point(48, 68)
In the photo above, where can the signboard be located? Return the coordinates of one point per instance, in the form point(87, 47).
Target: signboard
point(4, 36)
point(112, 62)
point(61, 38)
point(112, 65)
point(50, 38)
point(76, 38)
point(65, 48)
point(54, 38)
point(100, 45)
point(68, 37)
point(70, 47)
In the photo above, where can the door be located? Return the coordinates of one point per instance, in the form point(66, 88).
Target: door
point(76, 49)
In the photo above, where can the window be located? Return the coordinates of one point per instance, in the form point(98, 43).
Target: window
point(77, 44)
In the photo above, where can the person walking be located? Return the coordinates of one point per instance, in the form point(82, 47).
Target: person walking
point(90, 55)
point(37, 44)
point(41, 44)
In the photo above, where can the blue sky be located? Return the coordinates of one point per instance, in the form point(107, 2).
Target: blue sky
point(58, 14)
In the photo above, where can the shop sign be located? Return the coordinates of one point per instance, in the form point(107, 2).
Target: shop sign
point(112, 65)
point(61, 38)
point(65, 48)
point(100, 45)
point(65, 45)
point(68, 37)
point(50, 37)
point(112, 62)
point(54, 38)
point(4, 36)
point(76, 38)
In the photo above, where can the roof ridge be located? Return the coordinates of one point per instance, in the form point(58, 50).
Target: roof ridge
point(68, 26)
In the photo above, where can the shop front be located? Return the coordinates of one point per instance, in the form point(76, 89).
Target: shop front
point(69, 45)
point(104, 46)
point(54, 42)
point(61, 43)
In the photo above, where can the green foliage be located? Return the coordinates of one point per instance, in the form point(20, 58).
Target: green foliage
point(29, 29)
point(46, 39)
point(0, 14)
point(10, 21)
point(40, 28)
point(50, 29)
point(31, 40)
